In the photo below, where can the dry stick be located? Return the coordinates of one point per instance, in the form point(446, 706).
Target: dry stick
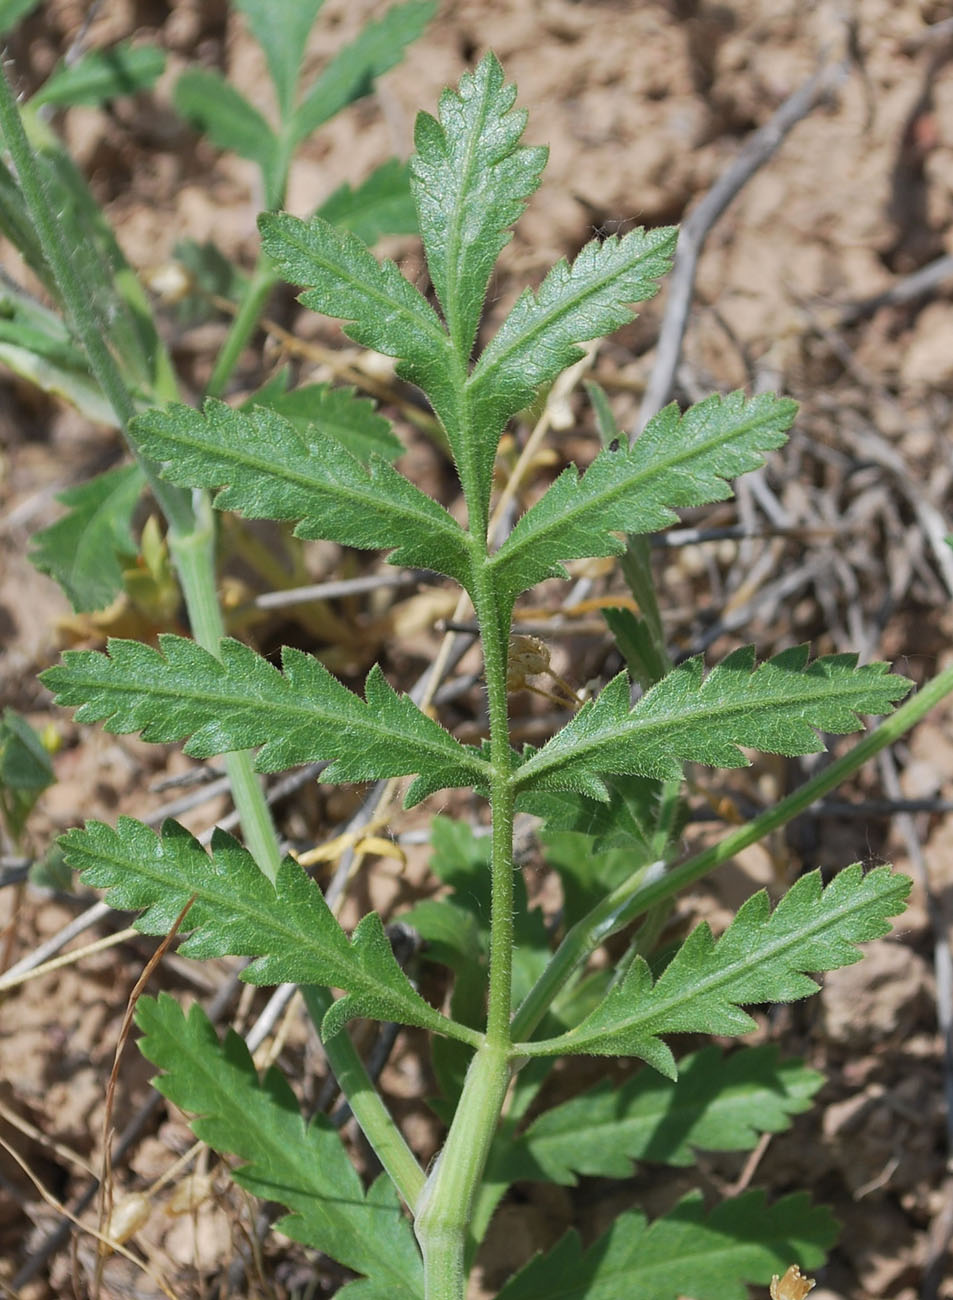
point(130, 1135)
point(342, 587)
point(73, 1217)
point(906, 289)
point(13, 978)
point(756, 151)
point(105, 1181)
point(941, 1229)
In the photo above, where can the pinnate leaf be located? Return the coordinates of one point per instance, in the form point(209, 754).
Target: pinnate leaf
point(241, 701)
point(573, 304)
point(287, 927)
point(774, 707)
point(471, 179)
point(686, 1253)
point(718, 1103)
point(302, 1166)
point(351, 73)
point(678, 461)
point(83, 550)
point(761, 957)
point(267, 470)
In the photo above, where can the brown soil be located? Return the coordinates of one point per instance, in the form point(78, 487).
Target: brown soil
point(643, 106)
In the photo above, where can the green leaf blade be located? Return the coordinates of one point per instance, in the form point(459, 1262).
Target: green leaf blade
point(777, 707)
point(287, 928)
point(380, 205)
point(241, 701)
point(719, 1103)
point(471, 180)
point(265, 469)
point(85, 550)
point(685, 1253)
point(763, 956)
point(383, 310)
point(217, 109)
point(682, 460)
point(352, 72)
point(575, 303)
point(302, 1166)
point(101, 75)
point(281, 29)
point(320, 411)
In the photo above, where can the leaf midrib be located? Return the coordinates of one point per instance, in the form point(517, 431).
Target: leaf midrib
point(424, 321)
point(454, 275)
point(326, 484)
point(562, 307)
point(272, 706)
point(518, 542)
point(762, 956)
point(636, 728)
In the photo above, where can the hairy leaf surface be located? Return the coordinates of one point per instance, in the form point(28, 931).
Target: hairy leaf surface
point(686, 1253)
point(471, 179)
point(302, 1166)
point(775, 707)
point(720, 1102)
point(385, 312)
point(678, 461)
point(761, 957)
point(241, 701)
point(351, 73)
point(271, 472)
point(573, 304)
point(84, 550)
point(319, 411)
point(287, 927)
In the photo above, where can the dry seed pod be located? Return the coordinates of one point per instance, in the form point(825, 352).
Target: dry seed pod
point(528, 656)
point(192, 1191)
point(793, 1286)
point(128, 1216)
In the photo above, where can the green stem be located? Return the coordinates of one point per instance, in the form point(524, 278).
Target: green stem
point(364, 1100)
point(77, 300)
point(652, 885)
point(262, 281)
point(191, 532)
point(494, 624)
point(194, 557)
point(446, 1205)
point(192, 544)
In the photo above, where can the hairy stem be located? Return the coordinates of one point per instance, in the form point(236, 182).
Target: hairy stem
point(78, 301)
point(446, 1207)
point(654, 884)
point(191, 530)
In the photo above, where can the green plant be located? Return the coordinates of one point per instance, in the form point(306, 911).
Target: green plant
point(90, 547)
point(607, 784)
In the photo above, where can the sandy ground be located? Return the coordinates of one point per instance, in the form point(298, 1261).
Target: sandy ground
point(643, 106)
